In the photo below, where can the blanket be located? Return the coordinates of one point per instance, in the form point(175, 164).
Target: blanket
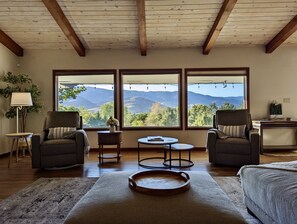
point(287, 166)
point(71, 134)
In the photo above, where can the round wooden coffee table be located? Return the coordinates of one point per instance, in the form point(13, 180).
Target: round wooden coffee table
point(166, 141)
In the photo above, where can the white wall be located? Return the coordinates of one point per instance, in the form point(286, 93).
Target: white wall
point(272, 77)
point(8, 62)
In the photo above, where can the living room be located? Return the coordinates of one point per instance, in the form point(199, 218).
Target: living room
point(271, 78)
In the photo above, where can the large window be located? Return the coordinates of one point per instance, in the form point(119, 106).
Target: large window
point(150, 98)
point(91, 92)
point(209, 90)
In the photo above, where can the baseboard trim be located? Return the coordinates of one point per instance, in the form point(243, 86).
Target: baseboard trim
point(146, 148)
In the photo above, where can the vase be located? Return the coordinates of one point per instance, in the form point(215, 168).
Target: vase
point(112, 128)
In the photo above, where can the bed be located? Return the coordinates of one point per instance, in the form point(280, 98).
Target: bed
point(270, 191)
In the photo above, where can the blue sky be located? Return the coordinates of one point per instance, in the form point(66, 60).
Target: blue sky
point(217, 90)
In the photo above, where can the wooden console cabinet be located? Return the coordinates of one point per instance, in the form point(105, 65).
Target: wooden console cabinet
point(261, 125)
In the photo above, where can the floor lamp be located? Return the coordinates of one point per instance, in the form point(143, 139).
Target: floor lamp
point(20, 100)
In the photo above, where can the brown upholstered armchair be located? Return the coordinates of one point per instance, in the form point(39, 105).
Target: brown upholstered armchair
point(50, 149)
point(233, 141)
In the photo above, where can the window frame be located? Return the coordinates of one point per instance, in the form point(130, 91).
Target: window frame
point(177, 71)
point(214, 72)
point(80, 72)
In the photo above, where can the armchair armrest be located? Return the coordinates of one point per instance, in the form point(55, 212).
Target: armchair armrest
point(254, 135)
point(80, 145)
point(211, 142)
point(254, 139)
point(37, 139)
point(212, 134)
point(79, 138)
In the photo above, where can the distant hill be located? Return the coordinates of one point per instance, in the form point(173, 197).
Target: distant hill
point(92, 98)
point(168, 99)
point(139, 104)
point(140, 101)
point(196, 98)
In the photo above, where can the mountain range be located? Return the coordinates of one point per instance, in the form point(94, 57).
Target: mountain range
point(141, 101)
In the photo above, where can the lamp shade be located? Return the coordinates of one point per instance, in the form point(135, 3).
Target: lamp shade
point(21, 99)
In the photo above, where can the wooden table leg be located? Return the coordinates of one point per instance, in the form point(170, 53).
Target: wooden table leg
point(179, 158)
point(118, 152)
point(11, 151)
point(100, 154)
point(29, 149)
point(17, 149)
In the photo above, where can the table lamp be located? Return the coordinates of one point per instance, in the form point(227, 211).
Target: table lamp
point(19, 100)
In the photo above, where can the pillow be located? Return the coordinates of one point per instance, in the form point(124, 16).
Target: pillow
point(58, 132)
point(233, 131)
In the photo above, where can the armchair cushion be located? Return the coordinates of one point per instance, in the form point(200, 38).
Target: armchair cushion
point(58, 132)
point(233, 146)
point(58, 147)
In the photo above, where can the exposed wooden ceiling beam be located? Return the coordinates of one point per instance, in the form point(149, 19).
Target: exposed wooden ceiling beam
point(284, 34)
point(57, 13)
point(218, 25)
point(10, 44)
point(142, 26)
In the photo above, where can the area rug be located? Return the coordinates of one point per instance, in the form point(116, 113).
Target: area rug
point(282, 153)
point(231, 186)
point(49, 200)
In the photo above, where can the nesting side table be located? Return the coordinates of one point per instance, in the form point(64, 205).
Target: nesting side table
point(15, 144)
point(109, 138)
point(182, 163)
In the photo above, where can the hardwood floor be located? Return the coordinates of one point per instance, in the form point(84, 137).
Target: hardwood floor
point(20, 174)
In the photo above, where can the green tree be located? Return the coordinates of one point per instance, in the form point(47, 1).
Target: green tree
point(169, 117)
point(200, 115)
point(20, 83)
point(88, 117)
point(213, 107)
point(70, 92)
point(139, 119)
point(106, 110)
point(155, 115)
point(227, 106)
point(128, 117)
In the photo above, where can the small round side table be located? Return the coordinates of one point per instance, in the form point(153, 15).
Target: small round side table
point(179, 147)
point(15, 143)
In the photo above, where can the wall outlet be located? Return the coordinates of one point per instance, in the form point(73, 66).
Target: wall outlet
point(286, 100)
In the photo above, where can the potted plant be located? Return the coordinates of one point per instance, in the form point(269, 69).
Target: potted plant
point(20, 83)
point(113, 123)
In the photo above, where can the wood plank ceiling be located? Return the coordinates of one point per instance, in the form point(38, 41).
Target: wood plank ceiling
point(147, 24)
